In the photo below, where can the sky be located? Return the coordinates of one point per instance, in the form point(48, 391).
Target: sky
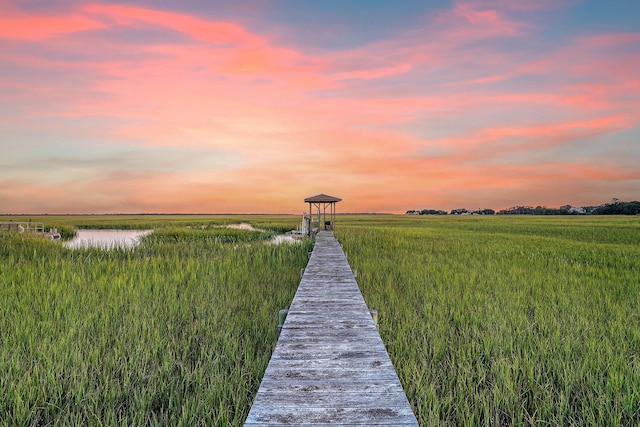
point(207, 106)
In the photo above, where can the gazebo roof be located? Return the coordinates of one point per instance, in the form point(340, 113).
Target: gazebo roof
point(322, 198)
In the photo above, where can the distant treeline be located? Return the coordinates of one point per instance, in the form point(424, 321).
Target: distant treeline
point(616, 207)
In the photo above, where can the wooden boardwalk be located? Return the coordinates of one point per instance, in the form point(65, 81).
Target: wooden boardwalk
point(330, 366)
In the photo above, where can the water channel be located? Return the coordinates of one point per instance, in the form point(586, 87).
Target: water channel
point(106, 239)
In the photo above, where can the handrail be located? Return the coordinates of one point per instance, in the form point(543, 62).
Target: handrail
point(35, 227)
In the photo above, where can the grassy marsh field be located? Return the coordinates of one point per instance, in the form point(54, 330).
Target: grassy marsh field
point(488, 320)
point(507, 321)
point(177, 331)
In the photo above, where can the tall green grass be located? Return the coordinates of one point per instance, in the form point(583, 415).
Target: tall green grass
point(177, 331)
point(507, 321)
point(488, 320)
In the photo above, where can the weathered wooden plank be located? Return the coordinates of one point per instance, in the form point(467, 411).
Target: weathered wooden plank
point(332, 399)
point(330, 362)
point(274, 424)
point(336, 374)
point(338, 312)
point(368, 416)
point(298, 350)
point(329, 334)
point(270, 388)
point(331, 337)
point(350, 354)
point(329, 366)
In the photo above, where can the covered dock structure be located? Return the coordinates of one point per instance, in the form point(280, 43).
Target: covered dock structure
point(318, 204)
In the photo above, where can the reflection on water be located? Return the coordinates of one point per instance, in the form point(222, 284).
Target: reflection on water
point(106, 239)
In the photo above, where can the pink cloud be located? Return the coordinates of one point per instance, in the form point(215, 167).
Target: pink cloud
point(230, 47)
point(591, 126)
point(518, 5)
point(474, 18)
point(212, 32)
point(43, 27)
point(374, 73)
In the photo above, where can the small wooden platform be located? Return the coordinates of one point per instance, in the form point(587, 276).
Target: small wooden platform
point(36, 227)
point(330, 366)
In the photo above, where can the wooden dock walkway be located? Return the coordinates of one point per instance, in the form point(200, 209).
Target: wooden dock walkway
point(330, 366)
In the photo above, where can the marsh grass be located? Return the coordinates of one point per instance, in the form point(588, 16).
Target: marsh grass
point(488, 320)
point(507, 321)
point(177, 331)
